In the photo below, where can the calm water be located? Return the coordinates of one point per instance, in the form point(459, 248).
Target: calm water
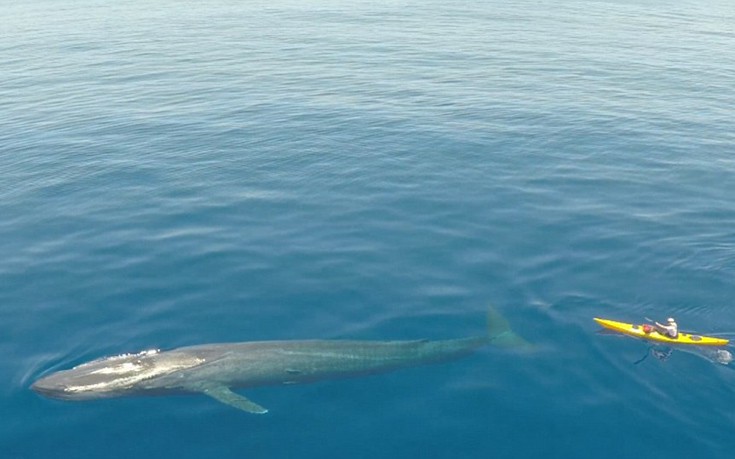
point(176, 173)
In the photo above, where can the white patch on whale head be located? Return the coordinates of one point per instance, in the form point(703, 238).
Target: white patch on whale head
point(133, 369)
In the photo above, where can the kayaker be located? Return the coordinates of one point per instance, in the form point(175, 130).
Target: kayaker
point(670, 329)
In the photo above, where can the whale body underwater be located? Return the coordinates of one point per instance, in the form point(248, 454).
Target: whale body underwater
point(216, 369)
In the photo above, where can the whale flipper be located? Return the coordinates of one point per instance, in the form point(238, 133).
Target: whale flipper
point(225, 395)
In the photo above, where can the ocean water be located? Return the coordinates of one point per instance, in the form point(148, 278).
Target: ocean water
point(177, 173)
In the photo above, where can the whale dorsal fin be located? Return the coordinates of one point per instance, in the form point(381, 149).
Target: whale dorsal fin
point(225, 395)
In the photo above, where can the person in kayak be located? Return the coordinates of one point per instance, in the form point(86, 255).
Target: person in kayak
point(670, 329)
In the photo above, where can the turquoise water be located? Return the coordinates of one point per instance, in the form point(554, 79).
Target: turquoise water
point(177, 173)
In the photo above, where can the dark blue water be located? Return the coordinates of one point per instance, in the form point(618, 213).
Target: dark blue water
point(176, 173)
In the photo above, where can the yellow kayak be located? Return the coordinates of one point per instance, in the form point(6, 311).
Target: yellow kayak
point(649, 332)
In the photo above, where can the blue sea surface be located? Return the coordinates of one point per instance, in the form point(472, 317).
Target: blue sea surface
point(176, 173)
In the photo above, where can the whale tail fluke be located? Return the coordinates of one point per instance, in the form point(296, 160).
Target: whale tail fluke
point(499, 332)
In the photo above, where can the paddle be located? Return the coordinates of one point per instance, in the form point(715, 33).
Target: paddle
point(642, 359)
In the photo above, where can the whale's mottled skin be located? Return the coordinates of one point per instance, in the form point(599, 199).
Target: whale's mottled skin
point(216, 369)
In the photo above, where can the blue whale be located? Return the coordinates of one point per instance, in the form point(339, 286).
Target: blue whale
point(216, 369)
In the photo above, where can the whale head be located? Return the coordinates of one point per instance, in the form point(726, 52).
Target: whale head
point(113, 376)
